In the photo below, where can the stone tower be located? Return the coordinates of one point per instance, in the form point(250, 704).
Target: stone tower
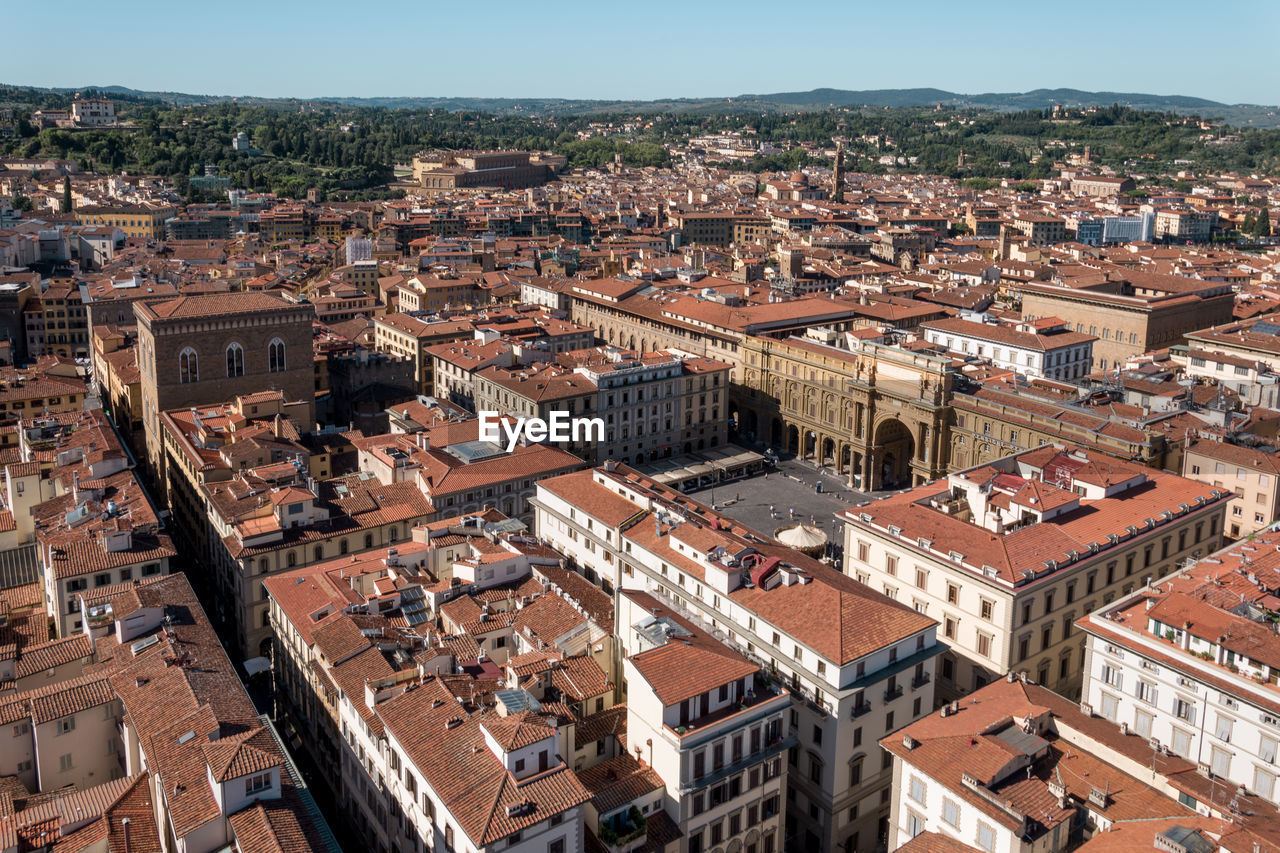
point(837, 176)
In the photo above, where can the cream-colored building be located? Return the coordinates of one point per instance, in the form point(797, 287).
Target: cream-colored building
point(1249, 474)
point(1007, 555)
point(856, 664)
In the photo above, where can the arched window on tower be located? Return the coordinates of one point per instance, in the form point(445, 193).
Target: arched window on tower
point(188, 368)
point(275, 356)
point(235, 360)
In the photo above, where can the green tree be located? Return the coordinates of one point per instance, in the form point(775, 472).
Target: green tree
point(22, 202)
point(1262, 225)
point(66, 195)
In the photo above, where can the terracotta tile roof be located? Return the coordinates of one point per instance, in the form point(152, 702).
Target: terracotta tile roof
point(690, 665)
point(985, 741)
point(245, 302)
point(274, 826)
point(1032, 547)
point(487, 801)
point(518, 730)
point(548, 619)
point(606, 723)
point(580, 678)
point(933, 842)
point(618, 781)
point(68, 697)
point(33, 659)
point(253, 751)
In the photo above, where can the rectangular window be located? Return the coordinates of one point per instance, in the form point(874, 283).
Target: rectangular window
point(1267, 749)
point(1264, 783)
point(917, 790)
point(1181, 744)
point(257, 782)
point(951, 813)
point(1220, 764)
point(1142, 723)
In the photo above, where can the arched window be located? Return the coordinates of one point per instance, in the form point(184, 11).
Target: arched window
point(275, 356)
point(235, 360)
point(188, 369)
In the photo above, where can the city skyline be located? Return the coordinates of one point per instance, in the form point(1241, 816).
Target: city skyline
point(674, 51)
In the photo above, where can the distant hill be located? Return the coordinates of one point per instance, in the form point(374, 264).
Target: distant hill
point(815, 99)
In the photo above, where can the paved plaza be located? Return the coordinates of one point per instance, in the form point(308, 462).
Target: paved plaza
point(790, 484)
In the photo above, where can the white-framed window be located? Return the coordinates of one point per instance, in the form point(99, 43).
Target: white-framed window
point(951, 813)
point(1267, 749)
point(1224, 728)
point(275, 356)
point(188, 366)
point(1220, 763)
point(1181, 744)
point(986, 838)
point(1142, 723)
point(917, 790)
point(257, 782)
point(235, 360)
point(1264, 783)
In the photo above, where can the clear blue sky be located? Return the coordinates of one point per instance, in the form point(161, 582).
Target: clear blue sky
point(1224, 50)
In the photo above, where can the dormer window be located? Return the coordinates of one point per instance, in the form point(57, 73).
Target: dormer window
point(257, 783)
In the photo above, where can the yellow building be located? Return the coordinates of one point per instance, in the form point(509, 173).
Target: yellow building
point(133, 219)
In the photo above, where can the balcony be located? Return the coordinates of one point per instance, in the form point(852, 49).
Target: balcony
point(764, 691)
point(861, 708)
point(624, 831)
point(772, 747)
point(893, 693)
point(920, 681)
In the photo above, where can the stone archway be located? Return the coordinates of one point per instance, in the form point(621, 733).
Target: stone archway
point(775, 433)
point(891, 454)
point(828, 455)
point(793, 439)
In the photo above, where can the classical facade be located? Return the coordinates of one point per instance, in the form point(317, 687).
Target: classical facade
point(877, 415)
point(1008, 554)
point(1132, 316)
